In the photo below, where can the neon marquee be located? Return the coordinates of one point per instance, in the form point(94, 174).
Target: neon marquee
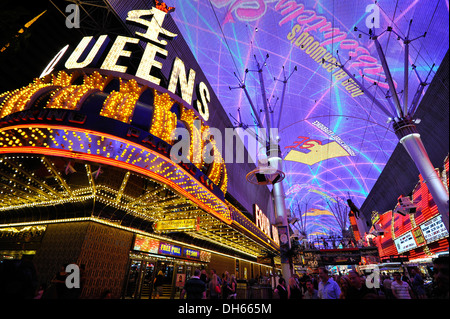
point(91, 54)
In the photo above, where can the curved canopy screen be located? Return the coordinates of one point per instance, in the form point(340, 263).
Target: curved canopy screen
point(335, 140)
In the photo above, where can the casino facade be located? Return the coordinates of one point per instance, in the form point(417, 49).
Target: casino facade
point(118, 159)
point(88, 177)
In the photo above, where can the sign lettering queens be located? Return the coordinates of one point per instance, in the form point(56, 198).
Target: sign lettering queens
point(89, 52)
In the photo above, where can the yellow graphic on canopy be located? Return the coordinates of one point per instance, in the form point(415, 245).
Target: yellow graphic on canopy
point(318, 212)
point(317, 153)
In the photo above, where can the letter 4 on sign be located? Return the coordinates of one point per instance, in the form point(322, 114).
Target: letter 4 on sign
point(73, 279)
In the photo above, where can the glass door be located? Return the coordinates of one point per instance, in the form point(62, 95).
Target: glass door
point(133, 278)
point(180, 280)
point(147, 280)
point(167, 270)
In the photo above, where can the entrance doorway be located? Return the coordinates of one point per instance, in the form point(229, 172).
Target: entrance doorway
point(138, 283)
point(142, 272)
point(166, 268)
point(149, 273)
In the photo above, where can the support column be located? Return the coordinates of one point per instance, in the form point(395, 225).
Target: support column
point(280, 209)
point(409, 137)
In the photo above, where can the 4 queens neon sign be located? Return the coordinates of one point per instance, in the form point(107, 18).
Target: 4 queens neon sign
point(89, 53)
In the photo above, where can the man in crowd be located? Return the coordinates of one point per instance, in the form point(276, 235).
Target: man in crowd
point(400, 288)
point(328, 288)
point(440, 278)
point(358, 289)
point(310, 292)
point(194, 287)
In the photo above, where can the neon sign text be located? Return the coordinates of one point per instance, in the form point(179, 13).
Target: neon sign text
point(89, 51)
point(309, 21)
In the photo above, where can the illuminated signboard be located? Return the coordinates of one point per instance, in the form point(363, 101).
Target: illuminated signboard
point(418, 236)
point(263, 223)
point(149, 245)
point(190, 253)
point(146, 244)
point(169, 249)
point(90, 53)
point(434, 229)
point(205, 256)
point(182, 91)
point(177, 224)
point(405, 242)
point(275, 236)
point(375, 217)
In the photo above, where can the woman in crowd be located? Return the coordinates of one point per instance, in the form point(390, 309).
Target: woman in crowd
point(294, 291)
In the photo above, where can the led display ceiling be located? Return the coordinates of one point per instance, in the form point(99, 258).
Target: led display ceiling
point(335, 140)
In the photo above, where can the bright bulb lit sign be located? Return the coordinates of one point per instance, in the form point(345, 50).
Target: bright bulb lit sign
point(89, 53)
point(177, 224)
point(146, 244)
point(190, 253)
point(434, 229)
point(169, 249)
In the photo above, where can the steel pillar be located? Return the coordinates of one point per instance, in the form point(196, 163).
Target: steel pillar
point(276, 162)
point(409, 137)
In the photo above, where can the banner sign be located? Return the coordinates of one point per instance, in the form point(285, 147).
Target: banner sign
point(191, 254)
point(405, 242)
point(146, 244)
point(169, 249)
point(176, 224)
point(434, 229)
point(283, 233)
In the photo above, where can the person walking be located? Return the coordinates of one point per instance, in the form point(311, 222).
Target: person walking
point(213, 272)
point(281, 289)
point(214, 287)
point(400, 288)
point(225, 285)
point(328, 288)
point(158, 284)
point(344, 284)
point(203, 276)
point(294, 291)
point(59, 280)
point(387, 287)
point(418, 284)
point(232, 287)
point(195, 288)
point(440, 287)
point(358, 289)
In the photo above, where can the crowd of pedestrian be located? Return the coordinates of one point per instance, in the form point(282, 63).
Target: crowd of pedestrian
point(353, 285)
point(19, 280)
point(204, 286)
